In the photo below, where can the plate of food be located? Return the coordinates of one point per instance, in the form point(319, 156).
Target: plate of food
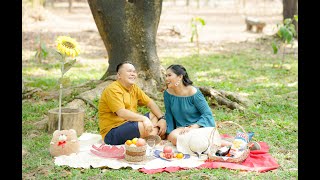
point(168, 155)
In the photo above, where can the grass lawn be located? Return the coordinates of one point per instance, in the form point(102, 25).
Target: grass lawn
point(251, 68)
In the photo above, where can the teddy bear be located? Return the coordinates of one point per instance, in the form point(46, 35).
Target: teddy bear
point(64, 142)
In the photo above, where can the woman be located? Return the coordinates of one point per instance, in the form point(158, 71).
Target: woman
point(186, 107)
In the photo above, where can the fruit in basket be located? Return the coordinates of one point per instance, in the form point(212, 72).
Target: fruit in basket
point(134, 140)
point(140, 142)
point(128, 142)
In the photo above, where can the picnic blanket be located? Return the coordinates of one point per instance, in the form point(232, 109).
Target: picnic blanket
point(258, 160)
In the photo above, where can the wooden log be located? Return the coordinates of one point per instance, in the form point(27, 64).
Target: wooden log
point(29, 92)
point(223, 98)
point(71, 118)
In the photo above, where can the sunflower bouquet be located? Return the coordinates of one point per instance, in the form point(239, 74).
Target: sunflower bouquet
point(66, 47)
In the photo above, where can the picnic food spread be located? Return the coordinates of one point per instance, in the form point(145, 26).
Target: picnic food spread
point(135, 150)
point(223, 151)
point(168, 154)
point(239, 144)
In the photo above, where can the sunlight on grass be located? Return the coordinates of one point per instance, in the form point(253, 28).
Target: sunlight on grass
point(45, 75)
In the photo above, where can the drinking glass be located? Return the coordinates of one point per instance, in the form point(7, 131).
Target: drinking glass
point(151, 143)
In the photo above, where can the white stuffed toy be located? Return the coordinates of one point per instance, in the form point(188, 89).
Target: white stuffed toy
point(64, 142)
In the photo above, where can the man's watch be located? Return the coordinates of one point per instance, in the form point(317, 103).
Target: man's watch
point(162, 117)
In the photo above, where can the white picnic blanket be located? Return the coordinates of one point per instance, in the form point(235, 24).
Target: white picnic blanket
point(85, 159)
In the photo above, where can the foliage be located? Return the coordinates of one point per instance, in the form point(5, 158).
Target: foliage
point(286, 33)
point(143, 109)
point(195, 22)
point(41, 50)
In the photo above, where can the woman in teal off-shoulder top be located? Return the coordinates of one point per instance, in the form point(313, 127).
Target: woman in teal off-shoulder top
point(186, 107)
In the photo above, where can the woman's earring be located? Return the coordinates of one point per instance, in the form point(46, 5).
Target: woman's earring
point(177, 83)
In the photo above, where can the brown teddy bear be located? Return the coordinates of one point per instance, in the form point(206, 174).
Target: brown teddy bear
point(64, 142)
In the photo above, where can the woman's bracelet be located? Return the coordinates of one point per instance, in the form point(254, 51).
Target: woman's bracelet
point(162, 117)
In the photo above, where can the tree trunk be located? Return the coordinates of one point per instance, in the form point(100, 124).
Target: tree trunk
point(290, 8)
point(70, 5)
point(128, 30)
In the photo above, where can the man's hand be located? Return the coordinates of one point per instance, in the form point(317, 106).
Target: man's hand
point(162, 124)
point(147, 125)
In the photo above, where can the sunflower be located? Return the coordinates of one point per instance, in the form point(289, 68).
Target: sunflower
point(67, 46)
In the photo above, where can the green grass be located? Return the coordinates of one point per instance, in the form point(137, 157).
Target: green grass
point(273, 116)
point(45, 76)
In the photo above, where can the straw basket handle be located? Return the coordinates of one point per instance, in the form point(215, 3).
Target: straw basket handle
point(226, 122)
point(213, 157)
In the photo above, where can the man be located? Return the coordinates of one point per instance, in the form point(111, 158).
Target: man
point(119, 119)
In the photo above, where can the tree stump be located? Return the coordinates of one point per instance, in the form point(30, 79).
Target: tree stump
point(70, 119)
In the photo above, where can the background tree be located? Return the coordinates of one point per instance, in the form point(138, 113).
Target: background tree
point(195, 23)
point(290, 8)
point(128, 30)
point(286, 34)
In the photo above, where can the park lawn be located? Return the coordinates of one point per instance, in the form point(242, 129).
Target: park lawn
point(253, 70)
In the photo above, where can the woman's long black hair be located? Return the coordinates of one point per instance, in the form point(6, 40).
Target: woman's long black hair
point(180, 70)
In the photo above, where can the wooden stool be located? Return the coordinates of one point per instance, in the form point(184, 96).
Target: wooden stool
point(250, 22)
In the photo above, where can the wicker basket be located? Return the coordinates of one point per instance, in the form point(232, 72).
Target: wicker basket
point(230, 130)
point(135, 154)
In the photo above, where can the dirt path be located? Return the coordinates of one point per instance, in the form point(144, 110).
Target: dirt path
point(224, 23)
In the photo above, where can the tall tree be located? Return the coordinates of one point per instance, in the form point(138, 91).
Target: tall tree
point(290, 8)
point(128, 29)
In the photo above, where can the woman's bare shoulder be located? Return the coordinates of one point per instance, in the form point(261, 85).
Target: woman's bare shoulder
point(169, 91)
point(193, 90)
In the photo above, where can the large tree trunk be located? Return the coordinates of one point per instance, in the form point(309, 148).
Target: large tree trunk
point(128, 30)
point(290, 8)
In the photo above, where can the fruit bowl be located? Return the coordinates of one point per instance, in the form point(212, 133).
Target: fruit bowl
point(135, 148)
point(160, 154)
point(135, 154)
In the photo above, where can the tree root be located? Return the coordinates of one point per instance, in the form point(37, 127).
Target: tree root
point(87, 101)
point(29, 92)
point(224, 98)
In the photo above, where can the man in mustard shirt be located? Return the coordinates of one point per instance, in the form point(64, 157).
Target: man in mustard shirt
point(119, 119)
